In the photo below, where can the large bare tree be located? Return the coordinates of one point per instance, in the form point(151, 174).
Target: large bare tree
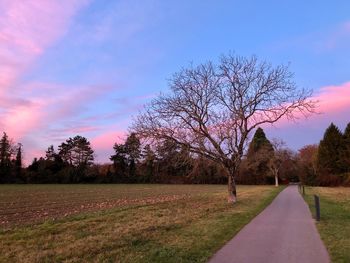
point(213, 108)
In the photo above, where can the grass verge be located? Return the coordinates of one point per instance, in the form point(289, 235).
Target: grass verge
point(185, 230)
point(334, 226)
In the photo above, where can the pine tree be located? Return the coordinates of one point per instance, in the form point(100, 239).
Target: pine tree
point(77, 156)
point(259, 142)
point(133, 152)
point(6, 152)
point(50, 153)
point(328, 160)
point(345, 150)
point(18, 161)
point(120, 163)
point(148, 164)
point(76, 152)
point(259, 153)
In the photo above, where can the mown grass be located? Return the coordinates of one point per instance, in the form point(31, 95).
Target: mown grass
point(189, 229)
point(334, 226)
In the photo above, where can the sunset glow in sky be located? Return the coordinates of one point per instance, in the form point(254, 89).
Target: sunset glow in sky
point(85, 67)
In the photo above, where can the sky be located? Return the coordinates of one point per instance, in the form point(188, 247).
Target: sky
point(86, 67)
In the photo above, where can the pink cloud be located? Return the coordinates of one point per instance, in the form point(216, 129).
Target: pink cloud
point(27, 28)
point(333, 106)
point(334, 98)
point(103, 143)
point(108, 139)
point(21, 118)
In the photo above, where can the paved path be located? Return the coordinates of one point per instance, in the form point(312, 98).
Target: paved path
point(284, 232)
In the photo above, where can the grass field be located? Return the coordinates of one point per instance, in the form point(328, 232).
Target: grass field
point(122, 223)
point(334, 226)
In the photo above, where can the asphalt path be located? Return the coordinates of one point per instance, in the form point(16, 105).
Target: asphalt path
point(284, 232)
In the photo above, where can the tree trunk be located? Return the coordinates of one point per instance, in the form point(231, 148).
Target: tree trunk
point(276, 180)
point(232, 193)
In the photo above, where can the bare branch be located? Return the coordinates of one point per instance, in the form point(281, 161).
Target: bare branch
point(212, 109)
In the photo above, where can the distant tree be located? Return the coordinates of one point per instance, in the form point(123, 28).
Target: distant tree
point(307, 163)
point(344, 154)
point(120, 163)
point(328, 158)
point(133, 153)
point(259, 154)
point(213, 109)
point(126, 158)
point(18, 162)
point(6, 154)
point(77, 155)
point(5, 150)
point(259, 142)
point(279, 160)
point(76, 152)
point(173, 159)
point(148, 163)
point(50, 153)
point(65, 152)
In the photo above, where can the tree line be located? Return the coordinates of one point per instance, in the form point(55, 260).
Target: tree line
point(265, 162)
point(73, 162)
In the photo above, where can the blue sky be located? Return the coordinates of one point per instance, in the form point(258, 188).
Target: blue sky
point(86, 67)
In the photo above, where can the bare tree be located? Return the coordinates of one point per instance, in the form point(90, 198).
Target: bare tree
point(212, 109)
point(280, 157)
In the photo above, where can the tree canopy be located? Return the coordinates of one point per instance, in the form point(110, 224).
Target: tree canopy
point(328, 159)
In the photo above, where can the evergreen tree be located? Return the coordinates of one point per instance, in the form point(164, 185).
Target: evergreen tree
point(345, 150)
point(133, 153)
point(50, 153)
point(64, 151)
point(259, 153)
point(6, 152)
point(18, 162)
point(76, 152)
point(173, 159)
point(78, 156)
point(148, 163)
point(259, 142)
point(328, 158)
point(120, 164)
point(168, 155)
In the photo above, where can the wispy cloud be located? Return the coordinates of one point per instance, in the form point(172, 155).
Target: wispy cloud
point(120, 22)
point(333, 38)
point(27, 29)
point(339, 36)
